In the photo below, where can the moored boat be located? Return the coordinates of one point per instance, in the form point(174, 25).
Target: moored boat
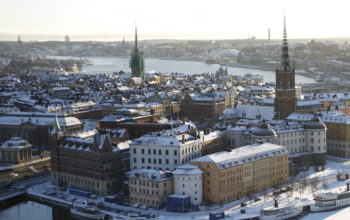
point(325, 201)
point(280, 212)
point(87, 212)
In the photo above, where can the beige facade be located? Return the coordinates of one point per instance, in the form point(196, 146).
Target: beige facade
point(228, 176)
point(221, 186)
point(150, 187)
point(248, 186)
point(261, 175)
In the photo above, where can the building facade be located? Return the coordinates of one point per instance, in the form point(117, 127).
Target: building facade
point(231, 175)
point(150, 187)
point(35, 127)
point(16, 150)
point(188, 181)
point(88, 161)
point(306, 142)
point(338, 130)
point(201, 108)
point(212, 141)
point(164, 151)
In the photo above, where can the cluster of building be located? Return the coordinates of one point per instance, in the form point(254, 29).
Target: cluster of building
point(179, 141)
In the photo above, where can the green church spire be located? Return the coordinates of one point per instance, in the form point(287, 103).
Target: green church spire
point(136, 46)
point(137, 63)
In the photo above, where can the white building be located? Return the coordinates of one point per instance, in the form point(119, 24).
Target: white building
point(163, 150)
point(188, 181)
point(300, 138)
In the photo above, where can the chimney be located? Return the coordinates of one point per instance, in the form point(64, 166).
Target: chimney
point(183, 138)
point(347, 186)
point(276, 203)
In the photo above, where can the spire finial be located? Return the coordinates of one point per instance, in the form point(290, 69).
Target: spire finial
point(136, 46)
point(285, 67)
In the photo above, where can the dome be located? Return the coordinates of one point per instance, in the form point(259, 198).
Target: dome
point(263, 130)
point(16, 142)
point(315, 123)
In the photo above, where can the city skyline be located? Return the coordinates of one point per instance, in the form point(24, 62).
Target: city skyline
point(111, 20)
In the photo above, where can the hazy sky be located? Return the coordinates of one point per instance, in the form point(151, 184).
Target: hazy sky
point(216, 19)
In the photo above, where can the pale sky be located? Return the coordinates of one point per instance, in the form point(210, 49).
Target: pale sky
point(198, 19)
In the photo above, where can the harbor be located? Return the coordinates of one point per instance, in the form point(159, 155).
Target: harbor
point(262, 207)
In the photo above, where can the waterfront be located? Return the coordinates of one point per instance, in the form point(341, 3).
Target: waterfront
point(30, 210)
point(116, 64)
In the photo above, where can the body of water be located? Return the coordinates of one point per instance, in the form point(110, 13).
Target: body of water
point(116, 64)
point(30, 210)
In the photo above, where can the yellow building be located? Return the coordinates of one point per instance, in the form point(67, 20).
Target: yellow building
point(248, 186)
point(230, 175)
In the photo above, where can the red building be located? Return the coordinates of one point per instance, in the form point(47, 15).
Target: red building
point(201, 108)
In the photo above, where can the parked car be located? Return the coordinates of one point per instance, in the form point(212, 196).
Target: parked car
point(243, 204)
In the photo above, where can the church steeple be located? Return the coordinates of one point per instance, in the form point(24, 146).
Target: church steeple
point(136, 49)
point(137, 63)
point(285, 96)
point(285, 67)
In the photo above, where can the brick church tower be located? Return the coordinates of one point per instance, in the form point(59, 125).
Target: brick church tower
point(285, 95)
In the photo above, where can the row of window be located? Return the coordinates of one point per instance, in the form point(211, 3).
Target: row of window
point(149, 151)
point(145, 183)
point(143, 200)
point(78, 180)
point(155, 161)
point(188, 178)
point(145, 191)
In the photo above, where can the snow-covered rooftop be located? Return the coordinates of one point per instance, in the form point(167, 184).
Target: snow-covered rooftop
point(187, 169)
point(243, 155)
point(154, 175)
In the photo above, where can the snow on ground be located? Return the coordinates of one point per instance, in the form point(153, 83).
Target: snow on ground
point(325, 181)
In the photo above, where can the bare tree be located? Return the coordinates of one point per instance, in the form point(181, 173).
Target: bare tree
point(313, 183)
point(266, 196)
point(302, 184)
point(250, 197)
point(290, 194)
point(324, 184)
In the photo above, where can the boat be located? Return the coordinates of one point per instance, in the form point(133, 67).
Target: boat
point(276, 212)
point(325, 201)
point(210, 61)
point(87, 212)
point(133, 216)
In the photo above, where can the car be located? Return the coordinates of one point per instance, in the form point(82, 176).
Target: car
point(51, 193)
point(283, 190)
point(243, 204)
point(256, 199)
point(13, 174)
point(93, 196)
